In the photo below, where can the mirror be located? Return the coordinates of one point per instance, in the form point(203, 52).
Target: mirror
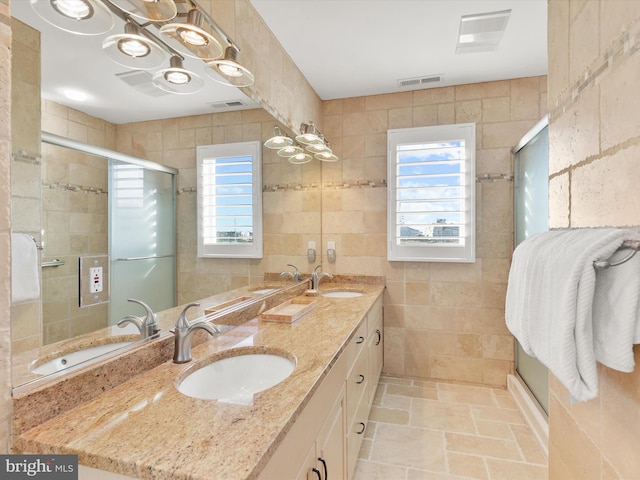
point(291, 204)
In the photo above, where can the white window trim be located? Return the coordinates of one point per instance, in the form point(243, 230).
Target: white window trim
point(249, 250)
point(427, 253)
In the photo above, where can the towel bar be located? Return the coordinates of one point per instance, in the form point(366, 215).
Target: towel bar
point(633, 245)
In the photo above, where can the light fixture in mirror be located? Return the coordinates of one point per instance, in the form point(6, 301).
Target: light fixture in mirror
point(177, 79)
point(151, 10)
point(133, 50)
point(290, 151)
point(326, 157)
point(309, 134)
point(229, 69)
point(279, 140)
point(82, 17)
point(300, 158)
point(191, 38)
point(318, 148)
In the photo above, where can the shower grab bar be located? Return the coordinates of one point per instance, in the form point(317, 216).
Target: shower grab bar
point(53, 263)
point(132, 259)
point(633, 245)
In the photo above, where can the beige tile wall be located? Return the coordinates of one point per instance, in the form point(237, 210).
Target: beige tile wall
point(594, 137)
point(442, 321)
point(5, 225)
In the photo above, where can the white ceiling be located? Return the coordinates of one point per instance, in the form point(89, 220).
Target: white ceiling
point(345, 48)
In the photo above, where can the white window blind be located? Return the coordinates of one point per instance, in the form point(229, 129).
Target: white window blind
point(230, 200)
point(431, 211)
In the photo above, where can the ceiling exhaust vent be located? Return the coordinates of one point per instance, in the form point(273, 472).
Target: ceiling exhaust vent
point(481, 32)
point(142, 81)
point(419, 81)
point(228, 104)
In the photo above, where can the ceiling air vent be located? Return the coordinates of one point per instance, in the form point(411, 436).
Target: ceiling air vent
point(228, 104)
point(419, 81)
point(481, 32)
point(142, 81)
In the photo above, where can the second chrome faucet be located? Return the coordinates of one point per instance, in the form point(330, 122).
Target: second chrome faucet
point(317, 277)
point(184, 331)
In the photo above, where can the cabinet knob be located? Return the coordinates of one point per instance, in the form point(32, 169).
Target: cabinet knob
point(362, 428)
point(360, 340)
point(317, 472)
point(379, 334)
point(360, 379)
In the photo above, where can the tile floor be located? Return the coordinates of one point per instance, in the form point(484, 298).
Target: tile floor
point(421, 430)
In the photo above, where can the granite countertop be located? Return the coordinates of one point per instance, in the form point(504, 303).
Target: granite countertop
point(24, 362)
point(145, 428)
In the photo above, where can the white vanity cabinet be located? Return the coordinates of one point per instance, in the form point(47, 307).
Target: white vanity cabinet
point(325, 439)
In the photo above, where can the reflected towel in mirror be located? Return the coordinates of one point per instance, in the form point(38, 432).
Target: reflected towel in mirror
point(25, 271)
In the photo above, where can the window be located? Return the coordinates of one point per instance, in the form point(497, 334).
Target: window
point(431, 194)
point(230, 200)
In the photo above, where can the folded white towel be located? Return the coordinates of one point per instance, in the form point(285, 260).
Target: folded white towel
point(616, 308)
point(25, 270)
point(549, 303)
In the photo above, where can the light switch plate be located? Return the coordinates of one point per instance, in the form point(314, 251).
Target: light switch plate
point(90, 266)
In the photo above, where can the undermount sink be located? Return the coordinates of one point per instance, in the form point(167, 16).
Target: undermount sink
point(74, 358)
point(342, 294)
point(236, 378)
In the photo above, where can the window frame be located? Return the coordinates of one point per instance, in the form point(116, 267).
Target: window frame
point(425, 135)
point(253, 249)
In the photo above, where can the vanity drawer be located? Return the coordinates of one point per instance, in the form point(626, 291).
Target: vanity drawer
point(357, 382)
point(357, 344)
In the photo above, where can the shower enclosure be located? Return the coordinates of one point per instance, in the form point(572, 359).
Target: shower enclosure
point(118, 205)
point(531, 207)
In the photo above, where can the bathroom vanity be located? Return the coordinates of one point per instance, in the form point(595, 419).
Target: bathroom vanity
point(310, 425)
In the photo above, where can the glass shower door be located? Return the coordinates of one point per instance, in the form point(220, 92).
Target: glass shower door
point(142, 239)
point(531, 196)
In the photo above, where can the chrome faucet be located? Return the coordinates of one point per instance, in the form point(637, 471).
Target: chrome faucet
point(184, 331)
point(316, 277)
point(147, 327)
point(295, 276)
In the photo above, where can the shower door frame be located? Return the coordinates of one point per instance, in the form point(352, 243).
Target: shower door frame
point(528, 383)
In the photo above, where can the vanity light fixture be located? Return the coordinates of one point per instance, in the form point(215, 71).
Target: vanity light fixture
point(177, 79)
point(229, 69)
point(326, 156)
point(140, 49)
point(290, 151)
point(148, 10)
point(300, 158)
point(82, 17)
point(133, 49)
point(320, 148)
point(309, 134)
point(279, 140)
point(191, 38)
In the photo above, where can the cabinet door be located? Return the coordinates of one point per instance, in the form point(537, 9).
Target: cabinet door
point(330, 444)
point(375, 353)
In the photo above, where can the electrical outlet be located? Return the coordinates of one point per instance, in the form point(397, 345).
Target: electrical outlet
point(95, 280)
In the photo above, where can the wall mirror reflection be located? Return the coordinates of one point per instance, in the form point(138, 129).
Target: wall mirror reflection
point(47, 182)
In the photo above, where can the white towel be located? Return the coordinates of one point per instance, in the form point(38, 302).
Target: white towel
point(616, 309)
point(25, 271)
point(549, 305)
